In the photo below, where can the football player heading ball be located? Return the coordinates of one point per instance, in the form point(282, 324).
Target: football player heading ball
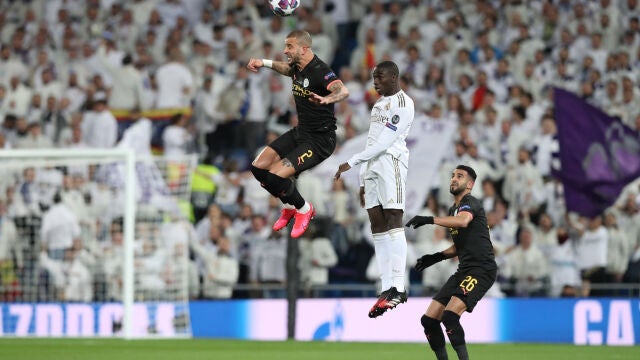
point(315, 89)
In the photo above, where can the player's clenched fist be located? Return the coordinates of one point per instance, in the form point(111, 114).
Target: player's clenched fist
point(255, 64)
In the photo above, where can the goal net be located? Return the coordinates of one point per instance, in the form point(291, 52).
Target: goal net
point(94, 243)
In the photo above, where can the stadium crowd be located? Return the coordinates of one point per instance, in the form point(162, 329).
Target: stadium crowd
point(68, 67)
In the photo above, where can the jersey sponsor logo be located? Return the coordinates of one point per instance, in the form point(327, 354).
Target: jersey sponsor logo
point(391, 126)
point(395, 119)
point(453, 231)
point(301, 158)
point(300, 91)
point(330, 75)
point(377, 115)
point(305, 82)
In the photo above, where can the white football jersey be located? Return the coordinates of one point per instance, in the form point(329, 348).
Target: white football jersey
point(391, 119)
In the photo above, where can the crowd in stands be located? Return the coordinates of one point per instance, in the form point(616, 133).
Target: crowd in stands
point(94, 74)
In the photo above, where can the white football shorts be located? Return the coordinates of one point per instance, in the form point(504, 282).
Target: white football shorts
point(385, 183)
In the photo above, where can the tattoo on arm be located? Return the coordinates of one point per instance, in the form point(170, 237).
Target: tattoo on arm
point(281, 67)
point(339, 92)
point(286, 162)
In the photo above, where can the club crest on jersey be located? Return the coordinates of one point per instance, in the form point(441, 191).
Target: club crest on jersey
point(387, 106)
point(301, 158)
point(395, 119)
point(305, 82)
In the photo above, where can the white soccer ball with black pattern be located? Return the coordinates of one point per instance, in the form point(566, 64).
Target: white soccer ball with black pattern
point(284, 7)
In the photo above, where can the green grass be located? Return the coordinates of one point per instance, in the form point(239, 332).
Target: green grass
point(98, 349)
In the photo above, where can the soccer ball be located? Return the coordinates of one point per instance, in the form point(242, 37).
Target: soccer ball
point(284, 7)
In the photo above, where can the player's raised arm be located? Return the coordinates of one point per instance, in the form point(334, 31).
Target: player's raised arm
point(339, 92)
point(277, 66)
point(461, 220)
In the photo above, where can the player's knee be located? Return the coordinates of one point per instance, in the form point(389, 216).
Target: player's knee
point(266, 158)
point(260, 163)
point(450, 319)
point(428, 323)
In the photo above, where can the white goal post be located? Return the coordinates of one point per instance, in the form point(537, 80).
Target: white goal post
point(138, 286)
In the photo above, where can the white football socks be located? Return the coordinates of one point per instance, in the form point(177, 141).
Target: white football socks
point(305, 208)
point(382, 244)
point(398, 256)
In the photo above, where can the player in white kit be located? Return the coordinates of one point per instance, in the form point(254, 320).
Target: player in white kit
point(383, 176)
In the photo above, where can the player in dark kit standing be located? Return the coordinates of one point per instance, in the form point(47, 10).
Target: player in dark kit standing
point(477, 268)
point(315, 89)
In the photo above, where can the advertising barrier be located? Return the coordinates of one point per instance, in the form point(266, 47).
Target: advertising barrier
point(570, 321)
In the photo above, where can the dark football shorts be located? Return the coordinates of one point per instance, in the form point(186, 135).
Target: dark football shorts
point(304, 149)
point(469, 286)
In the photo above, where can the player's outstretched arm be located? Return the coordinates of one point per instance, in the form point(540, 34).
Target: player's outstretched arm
point(339, 92)
point(277, 66)
point(418, 221)
point(459, 221)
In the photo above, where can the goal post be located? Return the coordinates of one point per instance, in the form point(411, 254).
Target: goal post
point(134, 287)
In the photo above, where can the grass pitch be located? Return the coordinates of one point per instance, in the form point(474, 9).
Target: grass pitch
point(113, 349)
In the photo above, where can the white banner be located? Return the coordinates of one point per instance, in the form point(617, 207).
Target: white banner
point(428, 142)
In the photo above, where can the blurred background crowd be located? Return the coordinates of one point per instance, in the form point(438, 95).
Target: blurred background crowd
point(168, 77)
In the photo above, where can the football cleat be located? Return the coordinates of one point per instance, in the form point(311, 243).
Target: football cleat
point(376, 310)
point(393, 299)
point(285, 216)
point(302, 222)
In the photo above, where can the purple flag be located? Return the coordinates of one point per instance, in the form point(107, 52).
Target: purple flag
point(599, 155)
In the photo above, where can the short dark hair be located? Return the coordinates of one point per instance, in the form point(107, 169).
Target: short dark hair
point(303, 37)
point(469, 171)
point(389, 66)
